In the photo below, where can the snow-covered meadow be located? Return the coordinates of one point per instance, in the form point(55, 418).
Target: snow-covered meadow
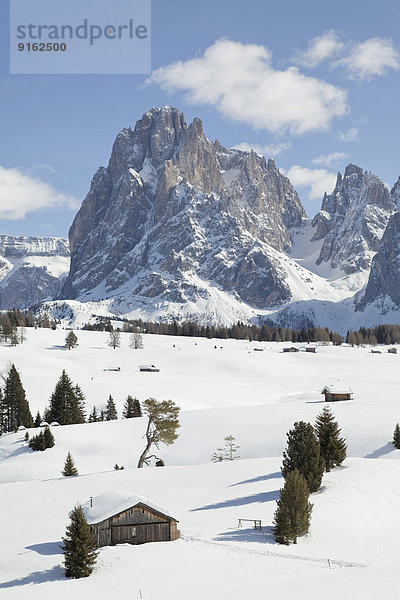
point(223, 387)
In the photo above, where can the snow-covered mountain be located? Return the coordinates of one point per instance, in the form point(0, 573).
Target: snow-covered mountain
point(352, 220)
point(177, 226)
point(31, 269)
point(177, 219)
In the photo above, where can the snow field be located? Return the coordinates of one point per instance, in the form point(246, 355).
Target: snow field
point(352, 549)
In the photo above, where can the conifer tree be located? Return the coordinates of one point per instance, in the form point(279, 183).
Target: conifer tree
point(396, 437)
point(293, 513)
point(69, 467)
point(332, 446)
point(79, 547)
point(67, 402)
point(48, 437)
point(93, 417)
point(16, 410)
point(162, 423)
point(132, 408)
point(303, 454)
point(71, 341)
point(38, 420)
point(111, 410)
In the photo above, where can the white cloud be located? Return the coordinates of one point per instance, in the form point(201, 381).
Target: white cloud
point(372, 58)
point(318, 180)
point(268, 150)
point(351, 135)
point(21, 194)
point(319, 49)
point(240, 81)
point(327, 160)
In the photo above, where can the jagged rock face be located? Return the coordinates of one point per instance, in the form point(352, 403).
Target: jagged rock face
point(352, 220)
point(171, 207)
point(384, 277)
point(395, 194)
point(31, 269)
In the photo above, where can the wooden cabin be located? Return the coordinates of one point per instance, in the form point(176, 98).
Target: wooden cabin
point(336, 392)
point(117, 517)
point(312, 349)
point(291, 349)
point(392, 350)
point(149, 368)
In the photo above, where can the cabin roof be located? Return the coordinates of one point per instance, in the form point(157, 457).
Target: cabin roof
point(113, 502)
point(336, 388)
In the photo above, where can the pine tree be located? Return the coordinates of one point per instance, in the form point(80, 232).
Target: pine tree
point(79, 548)
point(111, 410)
point(132, 408)
point(15, 410)
point(71, 341)
point(67, 402)
point(48, 438)
point(303, 454)
point(396, 437)
point(293, 513)
point(93, 417)
point(333, 447)
point(69, 467)
point(38, 420)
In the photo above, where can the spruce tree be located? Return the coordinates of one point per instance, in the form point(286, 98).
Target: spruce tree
point(79, 548)
point(48, 438)
point(396, 437)
point(38, 420)
point(132, 408)
point(303, 454)
point(293, 513)
point(16, 410)
point(67, 402)
point(332, 446)
point(111, 410)
point(93, 417)
point(69, 467)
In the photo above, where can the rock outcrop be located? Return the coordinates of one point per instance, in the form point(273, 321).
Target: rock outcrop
point(173, 209)
point(352, 220)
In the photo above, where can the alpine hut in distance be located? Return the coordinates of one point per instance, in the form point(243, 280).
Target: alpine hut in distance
point(336, 392)
point(117, 517)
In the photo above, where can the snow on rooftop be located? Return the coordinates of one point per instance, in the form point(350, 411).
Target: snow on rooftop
point(113, 502)
point(336, 388)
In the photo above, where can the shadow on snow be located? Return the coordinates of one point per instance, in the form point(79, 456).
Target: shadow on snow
point(57, 573)
point(242, 501)
point(275, 475)
point(265, 536)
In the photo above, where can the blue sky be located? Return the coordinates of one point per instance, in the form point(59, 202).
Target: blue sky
point(314, 84)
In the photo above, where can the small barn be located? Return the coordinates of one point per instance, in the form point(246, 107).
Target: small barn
point(291, 349)
point(392, 350)
point(149, 368)
point(311, 349)
point(117, 517)
point(336, 392)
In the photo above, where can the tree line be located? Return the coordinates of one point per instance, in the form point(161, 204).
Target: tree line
point(238, 331)
point(380, 334)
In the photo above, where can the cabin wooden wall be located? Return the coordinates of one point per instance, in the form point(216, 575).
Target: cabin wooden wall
point(136, 525)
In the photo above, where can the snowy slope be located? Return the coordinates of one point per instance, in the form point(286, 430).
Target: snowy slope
point(352, 549)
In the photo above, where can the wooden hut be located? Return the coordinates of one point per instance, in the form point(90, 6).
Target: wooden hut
point(335, 392)
point(117, 517)
point(291, 349)
point(312, 349)
point(392, 350)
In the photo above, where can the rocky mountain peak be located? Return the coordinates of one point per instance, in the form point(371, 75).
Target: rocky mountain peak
point(352, 220)
point(384, 281)
point(172, 205)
